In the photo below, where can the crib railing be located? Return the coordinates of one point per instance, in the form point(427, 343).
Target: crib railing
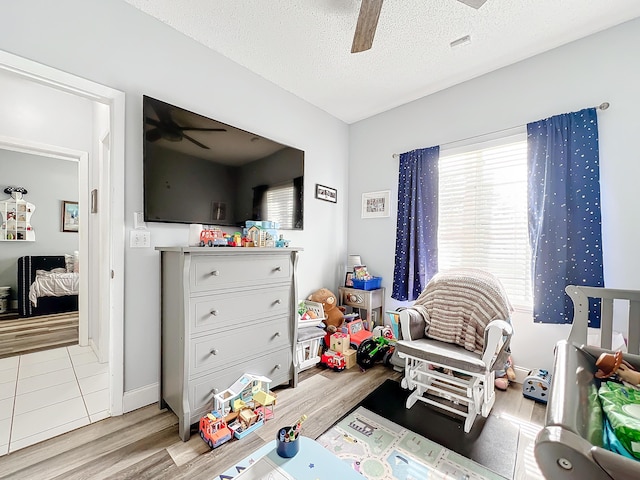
point(580, 297)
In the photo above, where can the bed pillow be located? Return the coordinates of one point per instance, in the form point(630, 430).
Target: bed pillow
point(48, 273)
point(69, 263)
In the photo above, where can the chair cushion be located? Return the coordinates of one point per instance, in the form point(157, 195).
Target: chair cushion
point(449, 354)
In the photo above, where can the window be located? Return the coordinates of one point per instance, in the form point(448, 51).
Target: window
point(483, 219)
point(279, 205)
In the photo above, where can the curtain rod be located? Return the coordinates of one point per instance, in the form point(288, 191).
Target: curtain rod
point(602, 106)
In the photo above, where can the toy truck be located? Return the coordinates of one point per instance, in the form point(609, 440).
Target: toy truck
point(213, 429)
point(210, 237)
point(333, 360)
point(357, 333)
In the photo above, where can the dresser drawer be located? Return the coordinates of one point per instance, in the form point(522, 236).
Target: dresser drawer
point(355, 298)
point(210, 272)
point(221, 311)
point(233, 345)
point(274, 366)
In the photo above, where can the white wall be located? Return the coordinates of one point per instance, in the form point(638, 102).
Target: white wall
point(117, 45)
point(32, 111)
point(603, 67)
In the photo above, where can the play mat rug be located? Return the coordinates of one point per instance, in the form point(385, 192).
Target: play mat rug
point(381, 450)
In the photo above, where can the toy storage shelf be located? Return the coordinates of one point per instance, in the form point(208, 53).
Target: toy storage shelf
point(308, 347)
point(15, 216)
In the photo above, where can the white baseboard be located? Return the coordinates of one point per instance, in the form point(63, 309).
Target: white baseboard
point(140, 397)
point(521, 373)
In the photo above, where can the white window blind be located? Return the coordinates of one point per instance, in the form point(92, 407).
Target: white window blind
point(279, 205)
point(483, 214)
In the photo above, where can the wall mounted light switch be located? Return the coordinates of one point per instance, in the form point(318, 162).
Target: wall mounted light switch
point(140, 239)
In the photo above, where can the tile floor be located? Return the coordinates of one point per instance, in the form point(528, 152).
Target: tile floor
point(45, 394)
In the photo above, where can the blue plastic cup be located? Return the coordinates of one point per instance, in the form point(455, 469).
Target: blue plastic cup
point(286, 449)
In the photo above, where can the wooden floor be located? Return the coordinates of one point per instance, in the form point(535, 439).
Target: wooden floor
point(145, 443)
point(26, 335)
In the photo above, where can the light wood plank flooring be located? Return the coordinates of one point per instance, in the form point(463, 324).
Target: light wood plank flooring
point(145, 443)
point(27, 335)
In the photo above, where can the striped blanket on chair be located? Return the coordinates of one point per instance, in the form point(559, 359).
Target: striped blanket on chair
point(458, 304)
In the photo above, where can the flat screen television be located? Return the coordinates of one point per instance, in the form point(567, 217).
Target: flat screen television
point(199, 170)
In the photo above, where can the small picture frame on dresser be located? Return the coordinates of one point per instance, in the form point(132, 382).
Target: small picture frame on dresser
point(348, 279)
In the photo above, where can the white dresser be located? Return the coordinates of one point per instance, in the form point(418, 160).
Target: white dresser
point(225, 312)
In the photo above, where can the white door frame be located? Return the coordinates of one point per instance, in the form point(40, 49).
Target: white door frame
point(113, 228)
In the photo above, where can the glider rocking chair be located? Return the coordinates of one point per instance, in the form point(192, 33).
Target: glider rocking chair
point(454, 337)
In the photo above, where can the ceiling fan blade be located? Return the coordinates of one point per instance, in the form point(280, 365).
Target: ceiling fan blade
point(474, 3)
point(366, 26)
point(153, 135)
point(193, 140)
point(152, 121)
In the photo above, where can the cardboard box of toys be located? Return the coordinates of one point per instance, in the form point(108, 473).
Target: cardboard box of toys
point(339, 342)
point(350, 358)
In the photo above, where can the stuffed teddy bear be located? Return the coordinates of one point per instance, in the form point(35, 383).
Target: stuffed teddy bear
point(334, 316)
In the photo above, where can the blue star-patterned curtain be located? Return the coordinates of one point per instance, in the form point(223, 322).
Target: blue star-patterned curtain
point(564, 213)
point(416, 258)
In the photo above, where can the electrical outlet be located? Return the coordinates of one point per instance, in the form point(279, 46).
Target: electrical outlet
point(140, 239)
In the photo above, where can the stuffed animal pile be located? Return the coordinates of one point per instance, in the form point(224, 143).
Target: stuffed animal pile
point(334, 315)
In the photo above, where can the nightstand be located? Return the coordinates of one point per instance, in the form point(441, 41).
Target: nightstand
point(370, 300)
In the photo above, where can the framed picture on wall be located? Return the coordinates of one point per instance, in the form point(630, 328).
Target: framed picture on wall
point(327, 194)
point(70, 216)
point(376, 204)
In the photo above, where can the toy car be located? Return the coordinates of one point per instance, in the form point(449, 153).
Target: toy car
point(333, 360)
point(213, 429)
point(373, 350)
point(357, 333)
point(208, 236)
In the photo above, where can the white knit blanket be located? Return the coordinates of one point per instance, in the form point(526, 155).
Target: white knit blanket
point(457, 306)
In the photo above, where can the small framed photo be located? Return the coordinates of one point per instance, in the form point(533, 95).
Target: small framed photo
point(327, 194)
point(348, 279)
point(70, 216)
point(376, 204)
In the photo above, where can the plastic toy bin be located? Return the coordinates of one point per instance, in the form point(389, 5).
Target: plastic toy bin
point(371, 284)
point(308, 347)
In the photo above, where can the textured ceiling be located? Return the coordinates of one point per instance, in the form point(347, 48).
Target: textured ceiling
point(304, 45)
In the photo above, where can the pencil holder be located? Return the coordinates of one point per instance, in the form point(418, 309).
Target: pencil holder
point(286, 449)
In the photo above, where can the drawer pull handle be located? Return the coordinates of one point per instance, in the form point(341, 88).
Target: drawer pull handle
point(214, 351)
point(278, 366)
point(215, 273)
point(214, 312)
point(277, 334)
point(277, 269)
point(277, 302)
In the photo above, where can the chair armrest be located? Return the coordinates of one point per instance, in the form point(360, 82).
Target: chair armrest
point(494, 332)
point(412, 324)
